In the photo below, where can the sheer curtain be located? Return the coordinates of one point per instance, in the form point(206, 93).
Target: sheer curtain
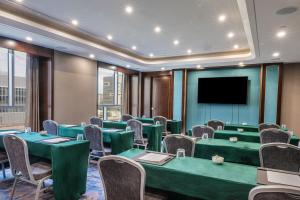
point(125, 103)
point(32, 118)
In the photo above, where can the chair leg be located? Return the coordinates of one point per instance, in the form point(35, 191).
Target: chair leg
point(14, 188)
point(38, 189)
point(3, 170)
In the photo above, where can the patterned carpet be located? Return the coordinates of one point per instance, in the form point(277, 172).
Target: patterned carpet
point(25, 191)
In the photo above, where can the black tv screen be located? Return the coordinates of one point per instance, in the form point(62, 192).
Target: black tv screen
point(223, 90)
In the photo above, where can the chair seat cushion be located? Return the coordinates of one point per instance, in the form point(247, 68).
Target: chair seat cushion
point(3, 156)
point(41, 170)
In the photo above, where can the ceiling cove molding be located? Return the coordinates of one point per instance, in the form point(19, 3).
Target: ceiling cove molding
point(31, 24)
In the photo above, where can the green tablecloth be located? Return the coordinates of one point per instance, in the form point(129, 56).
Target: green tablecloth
point(69, 163)
point(200, 178)
point(152, 132)
point(174, 126)
point(120, 141)
point(245, 136)
point(247, 128)
point(239, 152)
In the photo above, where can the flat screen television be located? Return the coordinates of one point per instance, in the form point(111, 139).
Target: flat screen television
point(223, 90)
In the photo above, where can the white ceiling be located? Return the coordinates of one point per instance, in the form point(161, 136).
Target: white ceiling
point(194, 23)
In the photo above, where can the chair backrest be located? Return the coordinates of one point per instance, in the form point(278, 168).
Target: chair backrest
point(51, 127)
point(198, 131)
point(137, 127)
point(215, 124)
point(162, 120)
point(96, 121)
point(274, 135)
point(176, 141)
point(264, 126)
point(274, 192)
point(17, 152)
point(94, 134)
point(280, 156)
point(126, 117)
point(122, 178)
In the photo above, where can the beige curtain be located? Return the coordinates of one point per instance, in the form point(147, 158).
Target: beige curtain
point(125, 103)
point(32, 118)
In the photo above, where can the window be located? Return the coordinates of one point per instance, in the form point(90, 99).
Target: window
point(12, 88)
point(110, 94)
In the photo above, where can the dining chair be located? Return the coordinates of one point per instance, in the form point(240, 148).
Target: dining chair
point(264, 126)
point(122, 178)
point(96, 121)
point(3, 161)
point(51, 127)
point(198, 131)
point(274, 135)
point(274, 192)
point(126, 117)
point(163, 121)
point(177, 141)
point(137, 127)
point(22, 170)
point(215, 124)
point(94, 134)
point(280, 156)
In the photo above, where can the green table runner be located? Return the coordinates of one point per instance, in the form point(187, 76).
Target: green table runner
point(174, 126)
point(200, 178)
point(238, 152)
point(152, 132)
point(69, 163)
point(244, 136)
point(120, 141)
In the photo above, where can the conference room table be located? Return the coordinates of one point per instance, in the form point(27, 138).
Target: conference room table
point(151, 131)
point(69, 162)
point(244, 136)
point(199, 178)
point(245, 127)
point(236, 152)
point(173, 126)
point(119, 139)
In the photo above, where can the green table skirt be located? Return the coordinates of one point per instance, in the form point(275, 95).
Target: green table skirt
point(239, 152)
point(174, 126)
point(119, 141)
point(200, 178)
point(69, 163)
point(244, 136)
point(152, 132)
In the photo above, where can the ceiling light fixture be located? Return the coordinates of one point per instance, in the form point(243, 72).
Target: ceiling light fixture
point(230, 35)
point(92, 56)
point(151, 55)
point(113, 67)
point(157, 29)
point(128, 9)
point(128, 66)
point(109, 37)
point(162, 68)
point(281, 34)
point(236, 46)
point(133, 47)
point(241, 64)
point(189, 51)
point(222, 18)
point(276, 54)
point(199, 67)
point(74, 22)
point(11, 43)
point(176, 42)
point(29, 39)
point(19, 1)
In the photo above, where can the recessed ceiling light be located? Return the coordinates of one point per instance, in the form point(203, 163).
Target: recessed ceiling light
point(29, 38)
point(113, 67)
point(241, 64)
point(281, 34)
point(236, 46)
point(189, 51)
point(92, 56)
point(19, 1)
point(230, 35)
point(133, 47)
point(276, 54)
point(151, 55)
point(109, 37)
point(128, 66)
point(11, 43)
point(128, 9)
point(162, 68)
point(157, 29)
point(199, 67)
point(222, 18)
point(176, 42)
point(74, 22)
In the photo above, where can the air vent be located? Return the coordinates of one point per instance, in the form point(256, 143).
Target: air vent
point(287, 10)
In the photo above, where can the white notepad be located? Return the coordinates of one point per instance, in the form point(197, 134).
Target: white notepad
point(8, 132)
point(56, 140)
point(69, 125)
point(111, 130)
point(283, 178)
point(153, 157)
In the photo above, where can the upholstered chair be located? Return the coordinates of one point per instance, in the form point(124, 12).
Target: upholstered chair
point(126, 117)
point(3, 160)
point(274, 135)
point(215, 124)
point(163, 121)
point(96, 121)
point(198, 131)
point(264, 126)
point(176, 141)
point(274, 192)
point(137, 127)
point(51, 127)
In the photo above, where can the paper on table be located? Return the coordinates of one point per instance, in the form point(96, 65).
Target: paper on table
point(147, 124)
point(56, 140)
point(111, 130)
point(153, 157)
point(283, 178)
point(69, 125)
point(8, 132)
